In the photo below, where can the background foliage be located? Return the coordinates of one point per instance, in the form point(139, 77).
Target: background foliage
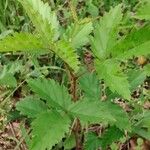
point(75, 74)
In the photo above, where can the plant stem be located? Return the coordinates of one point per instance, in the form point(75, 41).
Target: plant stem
point(77, 126)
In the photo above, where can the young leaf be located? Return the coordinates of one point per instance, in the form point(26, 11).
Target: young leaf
point(113, 76)
point(25, 42)
point(48, 129)
point(55, 95)
point(78, 34)
point(91, 86)
point(44, 20)
point(31, 107)
point(105, 33)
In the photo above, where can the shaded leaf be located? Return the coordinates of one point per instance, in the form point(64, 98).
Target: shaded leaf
point(31, 106)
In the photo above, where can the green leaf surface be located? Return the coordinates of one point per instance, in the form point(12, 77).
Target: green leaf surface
point(114, 78)
point(48, 129)
point(105, 33)
point(25, 42)
point(91, 111)
point(100, 112)
point(91, 86)
point(31, 106)
point(55, 95)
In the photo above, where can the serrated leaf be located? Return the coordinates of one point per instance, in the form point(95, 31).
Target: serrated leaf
point(105, 33)
point(47, 25)
point(136, 78)
point(111, 135)
point(78, 34)
point(91, 111)
point(31, 106)
point(65, 51)
point(55, 95)
point(92, 141)
point(137, 43)
point(114, 78)
point(25, 42)
point(143, 12)
point(91, 86)
point(48, 129)
point(100, 112)
point(45, 21)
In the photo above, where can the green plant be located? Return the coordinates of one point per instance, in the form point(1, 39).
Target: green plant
point(57, 113)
